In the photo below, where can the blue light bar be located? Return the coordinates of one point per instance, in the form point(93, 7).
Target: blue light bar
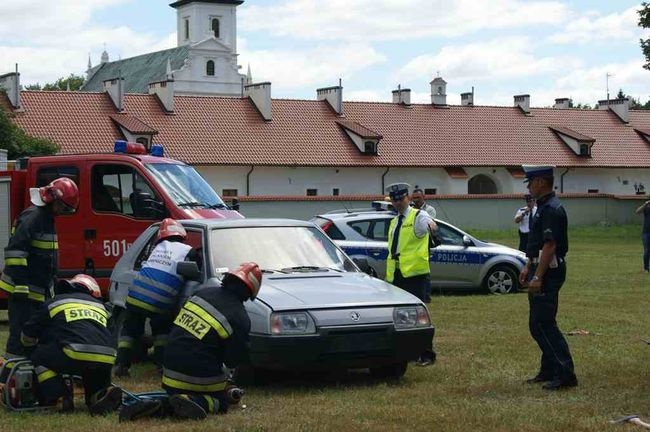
point(157, 150)
point(120, 146)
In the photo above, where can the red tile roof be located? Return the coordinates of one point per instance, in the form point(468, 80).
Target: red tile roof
point(358, 129)
point(456, 172)
point(133, 124)
point(216, 130)
point(573, 134)
point(516, 172)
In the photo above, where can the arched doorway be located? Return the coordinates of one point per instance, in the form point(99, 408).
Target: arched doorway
point(481, 184)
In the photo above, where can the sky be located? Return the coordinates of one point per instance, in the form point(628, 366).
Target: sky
point(548, 49)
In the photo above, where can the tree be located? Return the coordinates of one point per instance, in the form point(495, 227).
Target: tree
point(18, 143)
point(635, 104)
point(75, 82)
point(644, 22)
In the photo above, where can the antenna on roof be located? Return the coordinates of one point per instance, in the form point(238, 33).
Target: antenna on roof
point(607, 75)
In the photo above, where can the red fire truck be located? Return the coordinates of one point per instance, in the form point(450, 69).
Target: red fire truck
point(121, 194)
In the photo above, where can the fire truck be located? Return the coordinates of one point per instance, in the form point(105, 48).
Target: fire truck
point(121, 194)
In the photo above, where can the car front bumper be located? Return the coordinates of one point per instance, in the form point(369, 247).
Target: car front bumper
point(343, 347)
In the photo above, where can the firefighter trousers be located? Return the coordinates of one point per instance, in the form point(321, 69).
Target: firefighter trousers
point(133, 330)
point(20, 310)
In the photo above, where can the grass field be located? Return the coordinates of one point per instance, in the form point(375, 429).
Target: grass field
point(484, 354)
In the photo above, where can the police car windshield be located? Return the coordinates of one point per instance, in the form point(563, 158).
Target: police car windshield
point(283, 249)
point(185, 186)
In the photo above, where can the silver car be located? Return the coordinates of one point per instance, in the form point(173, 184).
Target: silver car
point(315, 308)
point(460, 262)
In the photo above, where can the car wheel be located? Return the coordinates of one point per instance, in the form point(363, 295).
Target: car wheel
point(501, 279)
point(391, 371)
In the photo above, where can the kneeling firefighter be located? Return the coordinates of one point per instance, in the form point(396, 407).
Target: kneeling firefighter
point(70, 335)
point(210, 331)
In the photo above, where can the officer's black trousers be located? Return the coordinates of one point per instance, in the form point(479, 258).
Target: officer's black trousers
point(20, 310)
point(556, 358)
point(416, 285)
point(96, 376)
point(523, 241)
point(133, 327)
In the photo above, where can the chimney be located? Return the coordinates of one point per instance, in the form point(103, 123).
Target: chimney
point(260, 95)
point(10, 83)
point(164, 91)
point(115, 89)
point(467, 99)
point(621, 107)
point(438, 91)
point(333, 96)
point(523, 102)
point(402, 96)
point(562, 103)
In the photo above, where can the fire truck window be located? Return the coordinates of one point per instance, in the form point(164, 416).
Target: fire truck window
point(119, 188)
point(46, 175)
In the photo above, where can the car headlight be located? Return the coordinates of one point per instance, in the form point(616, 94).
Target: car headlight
point(292, 323)
point(411, 316)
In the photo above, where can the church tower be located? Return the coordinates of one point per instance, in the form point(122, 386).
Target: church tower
point(197, 20)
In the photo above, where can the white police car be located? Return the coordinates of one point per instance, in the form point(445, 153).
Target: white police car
point(460, 262)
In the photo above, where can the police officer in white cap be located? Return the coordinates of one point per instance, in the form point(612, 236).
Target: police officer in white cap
point(407, 265)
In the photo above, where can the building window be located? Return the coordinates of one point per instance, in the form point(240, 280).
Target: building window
point(186, 28)
point(215, 27)
point(312, 192)
point(335, 192)
point(592, 190)
point(144, 141)
point(481, 184)
point(430, 191)
point(369, 147)
point(229, 192)
point(209, 68)
point(585, 150)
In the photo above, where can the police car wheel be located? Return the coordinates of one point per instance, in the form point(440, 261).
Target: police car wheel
point(501, 279)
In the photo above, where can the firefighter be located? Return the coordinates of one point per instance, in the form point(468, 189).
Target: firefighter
point(31, 256)
point(209, 334)
point(70, 335)
point(154, 295)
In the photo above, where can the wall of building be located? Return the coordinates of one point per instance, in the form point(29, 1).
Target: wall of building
point(617, 181)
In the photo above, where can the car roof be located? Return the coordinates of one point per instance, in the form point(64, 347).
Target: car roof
point(241, 223)
point(369, 214)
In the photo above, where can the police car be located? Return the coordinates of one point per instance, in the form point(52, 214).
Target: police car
point(460, 262)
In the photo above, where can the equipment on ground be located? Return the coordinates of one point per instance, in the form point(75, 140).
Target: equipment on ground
point(634, 419)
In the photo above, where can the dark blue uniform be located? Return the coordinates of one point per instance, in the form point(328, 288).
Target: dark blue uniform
point(549, 223)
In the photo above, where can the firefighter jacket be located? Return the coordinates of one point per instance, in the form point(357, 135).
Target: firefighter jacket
point(31, 256)
point(210, 330)
point(77, 323)
point(157, 286)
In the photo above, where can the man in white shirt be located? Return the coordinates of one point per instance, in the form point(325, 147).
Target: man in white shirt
point(522, 217)
point(418, 202)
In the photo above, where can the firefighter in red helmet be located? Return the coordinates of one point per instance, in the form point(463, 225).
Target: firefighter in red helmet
point(31, 256)
point(213, 326)
point(154, 294)
point(70, 335)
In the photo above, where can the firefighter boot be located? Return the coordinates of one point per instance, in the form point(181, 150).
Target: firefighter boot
point(185, 407)
point(105, 401)
point(141, 409)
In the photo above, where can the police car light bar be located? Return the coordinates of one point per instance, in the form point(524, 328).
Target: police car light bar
point(122, 146)
point(157, 150)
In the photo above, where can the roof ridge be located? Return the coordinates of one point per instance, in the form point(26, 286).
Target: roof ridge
point(145, 54)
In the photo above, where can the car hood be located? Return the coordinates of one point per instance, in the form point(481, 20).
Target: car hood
point(327, 290)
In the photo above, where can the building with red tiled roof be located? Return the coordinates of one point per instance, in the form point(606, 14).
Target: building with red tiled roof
point(255, 145)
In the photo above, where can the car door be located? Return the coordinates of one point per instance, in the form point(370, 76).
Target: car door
point(363, 244)
point(377, 245)
point(453, 264)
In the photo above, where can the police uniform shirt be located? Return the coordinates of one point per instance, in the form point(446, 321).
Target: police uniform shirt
point(421, 221)
point(524, 223)
point(549, 223)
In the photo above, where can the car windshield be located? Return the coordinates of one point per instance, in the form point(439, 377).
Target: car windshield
point(285, 249)
point(185, 186)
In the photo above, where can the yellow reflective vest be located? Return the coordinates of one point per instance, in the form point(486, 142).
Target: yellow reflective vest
point(413, 252)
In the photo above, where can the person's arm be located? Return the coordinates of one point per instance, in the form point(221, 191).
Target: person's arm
point(236, 349)
point(520, 215)
point(642, 207)
point(424, 224)
point(34, 327)
point(17, 255)
point(551, 229)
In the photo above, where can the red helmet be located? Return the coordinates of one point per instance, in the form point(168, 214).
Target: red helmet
point(171, 228)
point(251, 275)
point(62, 189)
point(89, 283)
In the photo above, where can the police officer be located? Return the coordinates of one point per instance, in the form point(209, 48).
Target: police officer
point(31, 256)
point(210, 331)
point(70, 335)
point(545, 272)
point(522, 218)
point(154, 294)
point(407, 265)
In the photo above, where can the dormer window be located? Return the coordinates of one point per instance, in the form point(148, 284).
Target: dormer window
point(215, 27)
point(580, 144)
point(366, 140)
point(370, 147)
point(209, 68)
point(585, 150)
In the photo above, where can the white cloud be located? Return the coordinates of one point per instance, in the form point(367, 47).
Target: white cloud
point(594, 27)
point(320, 66)
point(396, 19)
point(497, 59)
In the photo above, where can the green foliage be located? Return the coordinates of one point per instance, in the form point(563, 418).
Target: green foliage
point(74, 81)
point(635, 104)
point(644, 22)
point(18, 143)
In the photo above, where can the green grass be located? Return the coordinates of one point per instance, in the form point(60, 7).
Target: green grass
point(484, 352)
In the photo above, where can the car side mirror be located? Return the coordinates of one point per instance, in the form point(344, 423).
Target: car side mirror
point(235, 204)
point(467, 241)
point(146, 206)
point(189, 270)
point(362, 263)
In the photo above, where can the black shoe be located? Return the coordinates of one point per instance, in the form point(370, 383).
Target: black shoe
point(121, 371)
point(184, 407)
point(539, 378)
point(141, 409)
point(110, 401)
point(558, 384)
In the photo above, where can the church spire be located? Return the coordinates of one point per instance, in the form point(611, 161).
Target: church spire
point(90, 65)
point(105, 55)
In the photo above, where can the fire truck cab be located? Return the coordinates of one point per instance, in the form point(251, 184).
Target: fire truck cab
point(121, 194)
